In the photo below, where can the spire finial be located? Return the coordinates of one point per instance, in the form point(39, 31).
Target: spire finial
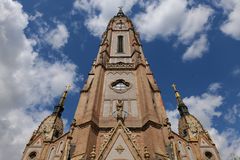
point(120, 11)
point(62, 100)
point(177, 94)
point(59, 108)
point(181, 106)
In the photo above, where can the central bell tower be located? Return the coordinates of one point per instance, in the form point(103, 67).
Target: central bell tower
point(120, 105)
point(120, 114)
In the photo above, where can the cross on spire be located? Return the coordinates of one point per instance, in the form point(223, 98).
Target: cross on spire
point(120, 12)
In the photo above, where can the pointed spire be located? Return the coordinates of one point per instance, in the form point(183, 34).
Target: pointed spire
point(183, 110)
point(120, 12)
point(60, 107)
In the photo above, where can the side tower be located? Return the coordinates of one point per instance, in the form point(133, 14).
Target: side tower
point(120, 112)
point(195, 142)
point(49, 131)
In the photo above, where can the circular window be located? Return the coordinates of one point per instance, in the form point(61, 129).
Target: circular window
point(208, 154)
point(33, 155)
point(120, 86)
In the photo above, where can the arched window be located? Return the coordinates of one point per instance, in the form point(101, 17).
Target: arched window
point(32, 155)
point(120, 44)
point(60, 148)
point(51, 154)
point(190, 153)
point(180, 147)
point(209, 155)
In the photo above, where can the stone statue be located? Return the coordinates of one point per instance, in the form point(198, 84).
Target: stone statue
point(119, 108)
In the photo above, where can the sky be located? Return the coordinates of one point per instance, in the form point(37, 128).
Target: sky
point(45, 45)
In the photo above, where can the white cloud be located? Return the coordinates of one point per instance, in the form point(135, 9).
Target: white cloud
point(194, 22)
point(173, 116)
point(205, 108)
point(99, 12)
point(231, 25)
point(58, 37)
point(232, 114)
point(27, 81)
point(197, 49)
point(227, 142)
point(214, 87)
point(164, 21)
point(15, 133)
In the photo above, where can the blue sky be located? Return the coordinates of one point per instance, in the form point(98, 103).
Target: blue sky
point(47, 44)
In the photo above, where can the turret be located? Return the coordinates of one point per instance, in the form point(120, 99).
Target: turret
point(189, 126)
point(52, 126)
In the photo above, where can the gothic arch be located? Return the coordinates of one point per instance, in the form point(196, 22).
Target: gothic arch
point(190, 153)
point(60, 147)
point(51, 153)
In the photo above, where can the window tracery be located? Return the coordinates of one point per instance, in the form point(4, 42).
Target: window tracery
point(120, 86)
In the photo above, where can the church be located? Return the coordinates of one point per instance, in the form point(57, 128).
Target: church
point(120, 114)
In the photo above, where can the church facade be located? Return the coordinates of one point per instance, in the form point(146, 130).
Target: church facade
point(120, 114)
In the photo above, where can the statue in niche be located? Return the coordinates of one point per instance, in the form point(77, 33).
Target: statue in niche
point(119, 108)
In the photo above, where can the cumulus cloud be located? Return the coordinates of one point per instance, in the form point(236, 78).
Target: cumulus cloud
point(231, 25)
point(57, 37)
point(197, 49)
point(27, 81)
point(99, 12)
point(227, 142)
point(163, 21)
point(205, 108)
point(14, 131)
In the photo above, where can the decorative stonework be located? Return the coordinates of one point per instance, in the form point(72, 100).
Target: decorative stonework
point(106, 138)
point(120, 65)
point(119, 149)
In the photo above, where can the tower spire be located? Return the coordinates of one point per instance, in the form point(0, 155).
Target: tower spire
point(182, 108)
point(60, 107)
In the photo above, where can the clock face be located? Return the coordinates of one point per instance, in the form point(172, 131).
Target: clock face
point(47, 128)
point(193, 128)
point(120, 25)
